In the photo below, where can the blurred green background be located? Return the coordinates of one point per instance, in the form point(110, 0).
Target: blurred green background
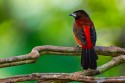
point(25, 24)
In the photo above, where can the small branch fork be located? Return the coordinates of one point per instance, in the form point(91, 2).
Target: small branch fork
point(117, 53)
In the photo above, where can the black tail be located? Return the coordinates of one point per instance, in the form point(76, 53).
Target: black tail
point(88, 59)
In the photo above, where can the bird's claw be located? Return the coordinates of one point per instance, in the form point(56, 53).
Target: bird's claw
point(77, 48)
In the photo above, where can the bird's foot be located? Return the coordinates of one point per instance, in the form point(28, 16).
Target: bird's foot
point(78, 48)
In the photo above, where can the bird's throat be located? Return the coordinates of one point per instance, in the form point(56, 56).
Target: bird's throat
point(79, 23)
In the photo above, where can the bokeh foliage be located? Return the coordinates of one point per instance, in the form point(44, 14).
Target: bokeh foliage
point(25, 24)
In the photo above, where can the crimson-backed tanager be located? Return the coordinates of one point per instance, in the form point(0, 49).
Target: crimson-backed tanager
point(85, 35)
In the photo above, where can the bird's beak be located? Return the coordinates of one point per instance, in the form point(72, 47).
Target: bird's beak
point(72, 14)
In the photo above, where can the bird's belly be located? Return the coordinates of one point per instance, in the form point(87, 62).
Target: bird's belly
point(79, 42)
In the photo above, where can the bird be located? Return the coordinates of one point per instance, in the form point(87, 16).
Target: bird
point(85, 36)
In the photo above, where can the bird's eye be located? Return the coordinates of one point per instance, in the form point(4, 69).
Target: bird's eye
point(77, 17)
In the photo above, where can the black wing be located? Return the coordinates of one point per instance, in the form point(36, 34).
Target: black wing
point(79, 33)
point(93, 35)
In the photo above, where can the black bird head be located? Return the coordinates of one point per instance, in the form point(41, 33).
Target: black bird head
point(79, 14)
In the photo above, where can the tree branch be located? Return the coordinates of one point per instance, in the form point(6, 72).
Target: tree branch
point(72, 51)
point(117, 53)
point(62, 76)
point(115, 61)
point(101, 50)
